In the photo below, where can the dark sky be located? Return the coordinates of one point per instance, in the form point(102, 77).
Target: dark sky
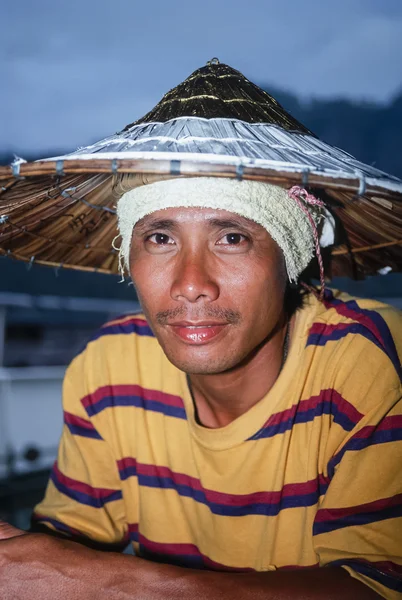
point(73, 72)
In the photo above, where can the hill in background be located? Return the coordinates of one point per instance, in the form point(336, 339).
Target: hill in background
point(370, 132)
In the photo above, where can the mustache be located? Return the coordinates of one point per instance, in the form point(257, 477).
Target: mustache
point(232, 317)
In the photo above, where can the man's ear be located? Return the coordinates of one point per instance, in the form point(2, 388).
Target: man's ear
point(8, 531)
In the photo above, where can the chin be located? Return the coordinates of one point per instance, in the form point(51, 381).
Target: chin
point(197, 368)
point(202, 365)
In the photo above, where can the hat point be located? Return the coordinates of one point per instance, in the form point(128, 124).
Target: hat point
point(217, 91)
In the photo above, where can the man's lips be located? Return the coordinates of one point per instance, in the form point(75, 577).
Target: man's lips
point(197, 323)
point(197, 332)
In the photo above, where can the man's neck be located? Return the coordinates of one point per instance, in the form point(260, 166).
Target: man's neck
point(220, 399)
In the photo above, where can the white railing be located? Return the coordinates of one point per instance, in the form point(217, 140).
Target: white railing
point(30, 416)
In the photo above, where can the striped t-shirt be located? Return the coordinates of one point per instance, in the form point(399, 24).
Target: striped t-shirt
point(310, 476)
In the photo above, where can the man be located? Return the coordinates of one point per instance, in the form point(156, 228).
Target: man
point(243, 433)
point(245, 437)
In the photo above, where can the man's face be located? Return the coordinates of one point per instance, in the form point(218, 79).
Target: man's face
point(211, 284)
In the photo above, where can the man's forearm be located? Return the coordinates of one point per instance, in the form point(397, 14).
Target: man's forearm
point(48, 567)
point(155, 581)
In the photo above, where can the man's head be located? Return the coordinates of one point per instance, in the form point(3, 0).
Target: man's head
point(211, 284)
point(211, 280)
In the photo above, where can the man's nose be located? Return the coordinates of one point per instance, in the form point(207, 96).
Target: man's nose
point(194, 279)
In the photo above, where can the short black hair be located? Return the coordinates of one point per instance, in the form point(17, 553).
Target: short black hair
point(295, 295)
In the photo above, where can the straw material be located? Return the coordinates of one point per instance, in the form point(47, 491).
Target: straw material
point(217, 91)
point(61, 211)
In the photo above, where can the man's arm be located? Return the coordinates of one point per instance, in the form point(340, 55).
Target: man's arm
point(83, 499)
point(48, 568)
point(84, 541)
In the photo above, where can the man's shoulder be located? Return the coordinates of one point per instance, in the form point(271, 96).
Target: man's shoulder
point(118, 341)
point(129, 324)
point(340, 307)
point(353, 328)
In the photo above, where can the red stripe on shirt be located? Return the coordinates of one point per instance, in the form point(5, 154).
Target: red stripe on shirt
point(387, 424)
point(331, 514)
point(71, 419)
point(131, 390)
point(346, 311)
point(271, 497)
point(326, 329)
point(310, 403)
point(79, 486)
point(127, 321)
point(185, 550)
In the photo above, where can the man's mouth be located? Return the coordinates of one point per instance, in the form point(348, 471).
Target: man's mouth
point(197, 332)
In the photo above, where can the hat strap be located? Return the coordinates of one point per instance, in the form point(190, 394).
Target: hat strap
point(302, 197)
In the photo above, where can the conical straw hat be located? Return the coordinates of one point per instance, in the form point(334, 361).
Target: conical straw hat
point(61, 211)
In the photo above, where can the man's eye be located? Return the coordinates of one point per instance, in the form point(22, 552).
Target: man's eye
point(161, 239)
point(232, 239)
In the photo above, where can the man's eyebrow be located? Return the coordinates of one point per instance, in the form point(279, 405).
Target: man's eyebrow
point(230, 223)
point(171, 225)
point(147, 225)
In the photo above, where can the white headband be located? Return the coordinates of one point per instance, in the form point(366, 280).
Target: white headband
point(265, 204)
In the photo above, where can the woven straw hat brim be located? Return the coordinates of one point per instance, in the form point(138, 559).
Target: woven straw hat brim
point(61, 211)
